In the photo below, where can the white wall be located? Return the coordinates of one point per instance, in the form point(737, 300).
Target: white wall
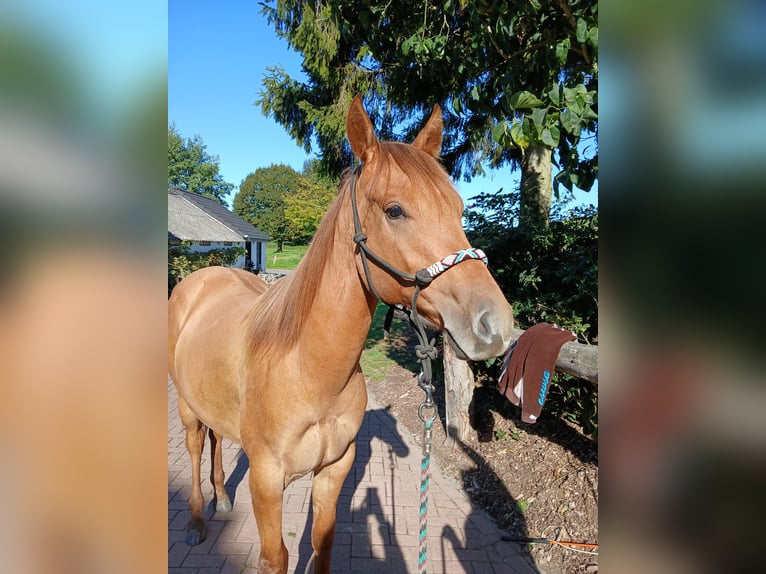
point(240, 262)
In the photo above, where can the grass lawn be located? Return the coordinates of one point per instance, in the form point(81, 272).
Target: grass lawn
point(289, 258)
point(380, 356)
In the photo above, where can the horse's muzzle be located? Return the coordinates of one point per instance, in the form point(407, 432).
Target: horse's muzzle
point(485, 334)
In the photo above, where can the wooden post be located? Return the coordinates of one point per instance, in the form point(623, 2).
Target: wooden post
point(458, 392)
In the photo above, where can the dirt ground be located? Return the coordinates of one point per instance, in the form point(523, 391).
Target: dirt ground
point(536, 481)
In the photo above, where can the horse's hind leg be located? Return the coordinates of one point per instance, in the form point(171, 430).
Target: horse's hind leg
point(196, 531)
point(325, 491)
point(223, 504)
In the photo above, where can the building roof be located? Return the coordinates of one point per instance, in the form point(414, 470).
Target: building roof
point(193, 217)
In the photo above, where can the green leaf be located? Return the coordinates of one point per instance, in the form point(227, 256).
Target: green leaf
point(562, 178)
point(589, 114)
point(475, 94)
point(550, 136)
point(562, 49)
point(457, 104)
point(440, 42)
point(577, 105)
point(517, 135)
point(524, 100)
point(593, 36)
point(555, 95)
point(498, 131)
point(574, 178)
point(407, 45)
point(568, 120)
point(581, 33)
point(538, 116)
point(555, 134)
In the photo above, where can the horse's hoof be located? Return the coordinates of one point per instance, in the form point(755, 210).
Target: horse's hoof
point(223, 505)
point(196, 535)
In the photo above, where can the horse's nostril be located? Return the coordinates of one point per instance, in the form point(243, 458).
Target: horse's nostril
point(485, 323)
point(484, 327)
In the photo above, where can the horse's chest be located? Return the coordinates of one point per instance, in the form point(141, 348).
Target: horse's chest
point(323, 443)
point(328, 439)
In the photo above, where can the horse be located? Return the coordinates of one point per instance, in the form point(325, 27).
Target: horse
point(276, 369)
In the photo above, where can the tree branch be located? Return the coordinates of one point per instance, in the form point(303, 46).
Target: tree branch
point(570, 17)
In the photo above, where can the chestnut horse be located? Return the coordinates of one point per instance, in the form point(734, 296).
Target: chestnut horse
point(276, 369)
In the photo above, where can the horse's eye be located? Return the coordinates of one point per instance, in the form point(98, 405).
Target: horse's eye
point(394, 212)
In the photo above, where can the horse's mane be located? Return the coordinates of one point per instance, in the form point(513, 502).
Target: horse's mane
point(278, 317)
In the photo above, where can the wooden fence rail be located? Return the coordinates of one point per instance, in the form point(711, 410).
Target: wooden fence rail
point(574, 358)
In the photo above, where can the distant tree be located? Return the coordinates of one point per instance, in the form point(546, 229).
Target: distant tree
point(306, 207)
point(192, 169)
point(261, 200)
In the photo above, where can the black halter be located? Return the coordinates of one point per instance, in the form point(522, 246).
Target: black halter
point(425, 350)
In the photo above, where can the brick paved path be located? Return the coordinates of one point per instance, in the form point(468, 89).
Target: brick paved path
point(377, 519)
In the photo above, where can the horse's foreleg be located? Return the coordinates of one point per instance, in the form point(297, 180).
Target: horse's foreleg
point(325, 491)
point(196, 531)
point(266, 490)
point(217, 477)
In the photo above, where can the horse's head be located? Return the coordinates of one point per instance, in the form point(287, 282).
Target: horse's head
point(412, 217)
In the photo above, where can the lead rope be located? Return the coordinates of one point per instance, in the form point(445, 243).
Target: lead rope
point(425, 473)
point(425, 349)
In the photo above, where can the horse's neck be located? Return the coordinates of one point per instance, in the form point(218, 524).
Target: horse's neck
point(324, 311)
point(341, 314)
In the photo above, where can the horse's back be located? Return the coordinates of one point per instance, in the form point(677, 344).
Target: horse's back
point(212, 290)
point(206, 325)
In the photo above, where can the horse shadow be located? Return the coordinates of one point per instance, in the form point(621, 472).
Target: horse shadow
point(235, 476)
point(479, 535)
point(366, 517)
point(364, 522)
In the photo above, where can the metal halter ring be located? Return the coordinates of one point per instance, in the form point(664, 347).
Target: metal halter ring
point(426, 406)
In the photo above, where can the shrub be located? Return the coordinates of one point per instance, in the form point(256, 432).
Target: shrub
point(549, 273)
point(182, 261)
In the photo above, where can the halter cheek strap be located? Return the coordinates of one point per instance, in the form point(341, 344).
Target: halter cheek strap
point(423, 276)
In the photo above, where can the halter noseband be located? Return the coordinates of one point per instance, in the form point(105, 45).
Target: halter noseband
point(426, 350)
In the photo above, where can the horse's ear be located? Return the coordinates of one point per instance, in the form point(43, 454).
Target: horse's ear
point(360, 132)
point(430, 137)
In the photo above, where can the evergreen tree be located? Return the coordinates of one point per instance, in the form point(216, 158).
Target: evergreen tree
point(517, 80)
point(191, 168)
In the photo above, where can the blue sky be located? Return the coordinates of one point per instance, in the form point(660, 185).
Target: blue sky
point(217, 56)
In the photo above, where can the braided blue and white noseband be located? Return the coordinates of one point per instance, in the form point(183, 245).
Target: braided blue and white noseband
point(451, 260)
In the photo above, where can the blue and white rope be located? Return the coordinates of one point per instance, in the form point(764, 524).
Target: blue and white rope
point(425, 479)
point(454, 258)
